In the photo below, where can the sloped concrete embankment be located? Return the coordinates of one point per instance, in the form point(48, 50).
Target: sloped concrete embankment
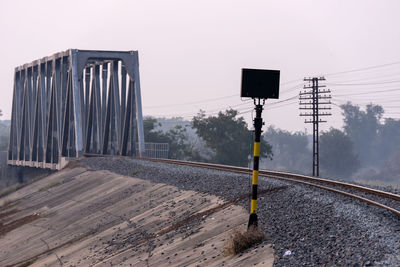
point(79, 217)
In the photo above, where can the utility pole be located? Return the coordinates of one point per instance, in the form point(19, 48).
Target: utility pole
point(313, 99)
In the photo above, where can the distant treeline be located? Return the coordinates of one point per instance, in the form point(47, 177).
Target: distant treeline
point(4, 134)
point(367, 148)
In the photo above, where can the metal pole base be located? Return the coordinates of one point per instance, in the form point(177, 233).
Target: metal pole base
point(253, 221)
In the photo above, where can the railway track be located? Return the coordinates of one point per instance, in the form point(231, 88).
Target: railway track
point(385, 200)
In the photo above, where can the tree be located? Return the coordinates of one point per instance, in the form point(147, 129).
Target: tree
point(337, 156)
point(4, 134)
point(228, 136)
point(388, 140)
point(152, 135)
point(179, 147)
point(391, 169)
point(290, 150)
point(362, 127)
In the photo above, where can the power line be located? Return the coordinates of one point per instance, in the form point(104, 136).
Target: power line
point(372, 92)
point(368, 100)
point(369, 77)
point(245, 112)
point(295, 87)
point(220, 98)
point(283, 105)
point(284, 100)
point(366, 88)
point(360, 84)
point(292, 81)
point(363, 69)
point(192, 103)
point(376, 98)
point(291, 89)
point(217, 110)
point(192, 113)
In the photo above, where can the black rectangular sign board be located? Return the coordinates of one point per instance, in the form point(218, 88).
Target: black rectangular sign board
point(258, 83)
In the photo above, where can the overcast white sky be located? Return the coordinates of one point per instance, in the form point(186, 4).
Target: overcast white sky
point(193, 51)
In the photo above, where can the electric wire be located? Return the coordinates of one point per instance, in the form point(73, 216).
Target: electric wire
point(217, 110)
point(368, 78)
point(369, 100)
point(371, 92)
point(220, 98)
point(361, 84)
point(192, 103)
point(378, 71)
point(362, 69)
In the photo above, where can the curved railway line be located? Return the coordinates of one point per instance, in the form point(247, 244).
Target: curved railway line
point(382, 199)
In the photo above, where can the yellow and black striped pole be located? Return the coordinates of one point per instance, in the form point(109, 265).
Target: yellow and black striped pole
point(253, 221)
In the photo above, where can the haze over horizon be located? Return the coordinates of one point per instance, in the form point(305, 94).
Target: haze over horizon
point(191, 53)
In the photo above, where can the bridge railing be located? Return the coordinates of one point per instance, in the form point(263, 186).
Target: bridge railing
point(156, 150)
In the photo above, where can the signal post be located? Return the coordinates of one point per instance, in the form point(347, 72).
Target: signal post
point(253, 221)
point(259, 85)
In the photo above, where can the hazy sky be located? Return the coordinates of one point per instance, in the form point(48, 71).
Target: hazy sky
point(191, 52)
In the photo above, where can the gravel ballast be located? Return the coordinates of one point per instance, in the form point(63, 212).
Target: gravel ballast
point(307, 226)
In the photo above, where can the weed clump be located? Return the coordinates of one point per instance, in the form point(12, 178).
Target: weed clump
point(240, 241)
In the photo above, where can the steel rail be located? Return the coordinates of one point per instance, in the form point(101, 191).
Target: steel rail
point(369, 201)
point(282, 174)
point(338, 183)
point(297, 178)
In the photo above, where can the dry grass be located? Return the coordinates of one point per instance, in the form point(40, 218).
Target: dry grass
point(240, 241)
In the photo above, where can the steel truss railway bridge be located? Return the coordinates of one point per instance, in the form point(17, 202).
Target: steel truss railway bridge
point(75, 102)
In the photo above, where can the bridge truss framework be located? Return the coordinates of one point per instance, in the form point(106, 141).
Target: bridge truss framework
point(75, 102)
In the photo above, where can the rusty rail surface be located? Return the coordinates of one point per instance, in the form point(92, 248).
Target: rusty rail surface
point(297, 178)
